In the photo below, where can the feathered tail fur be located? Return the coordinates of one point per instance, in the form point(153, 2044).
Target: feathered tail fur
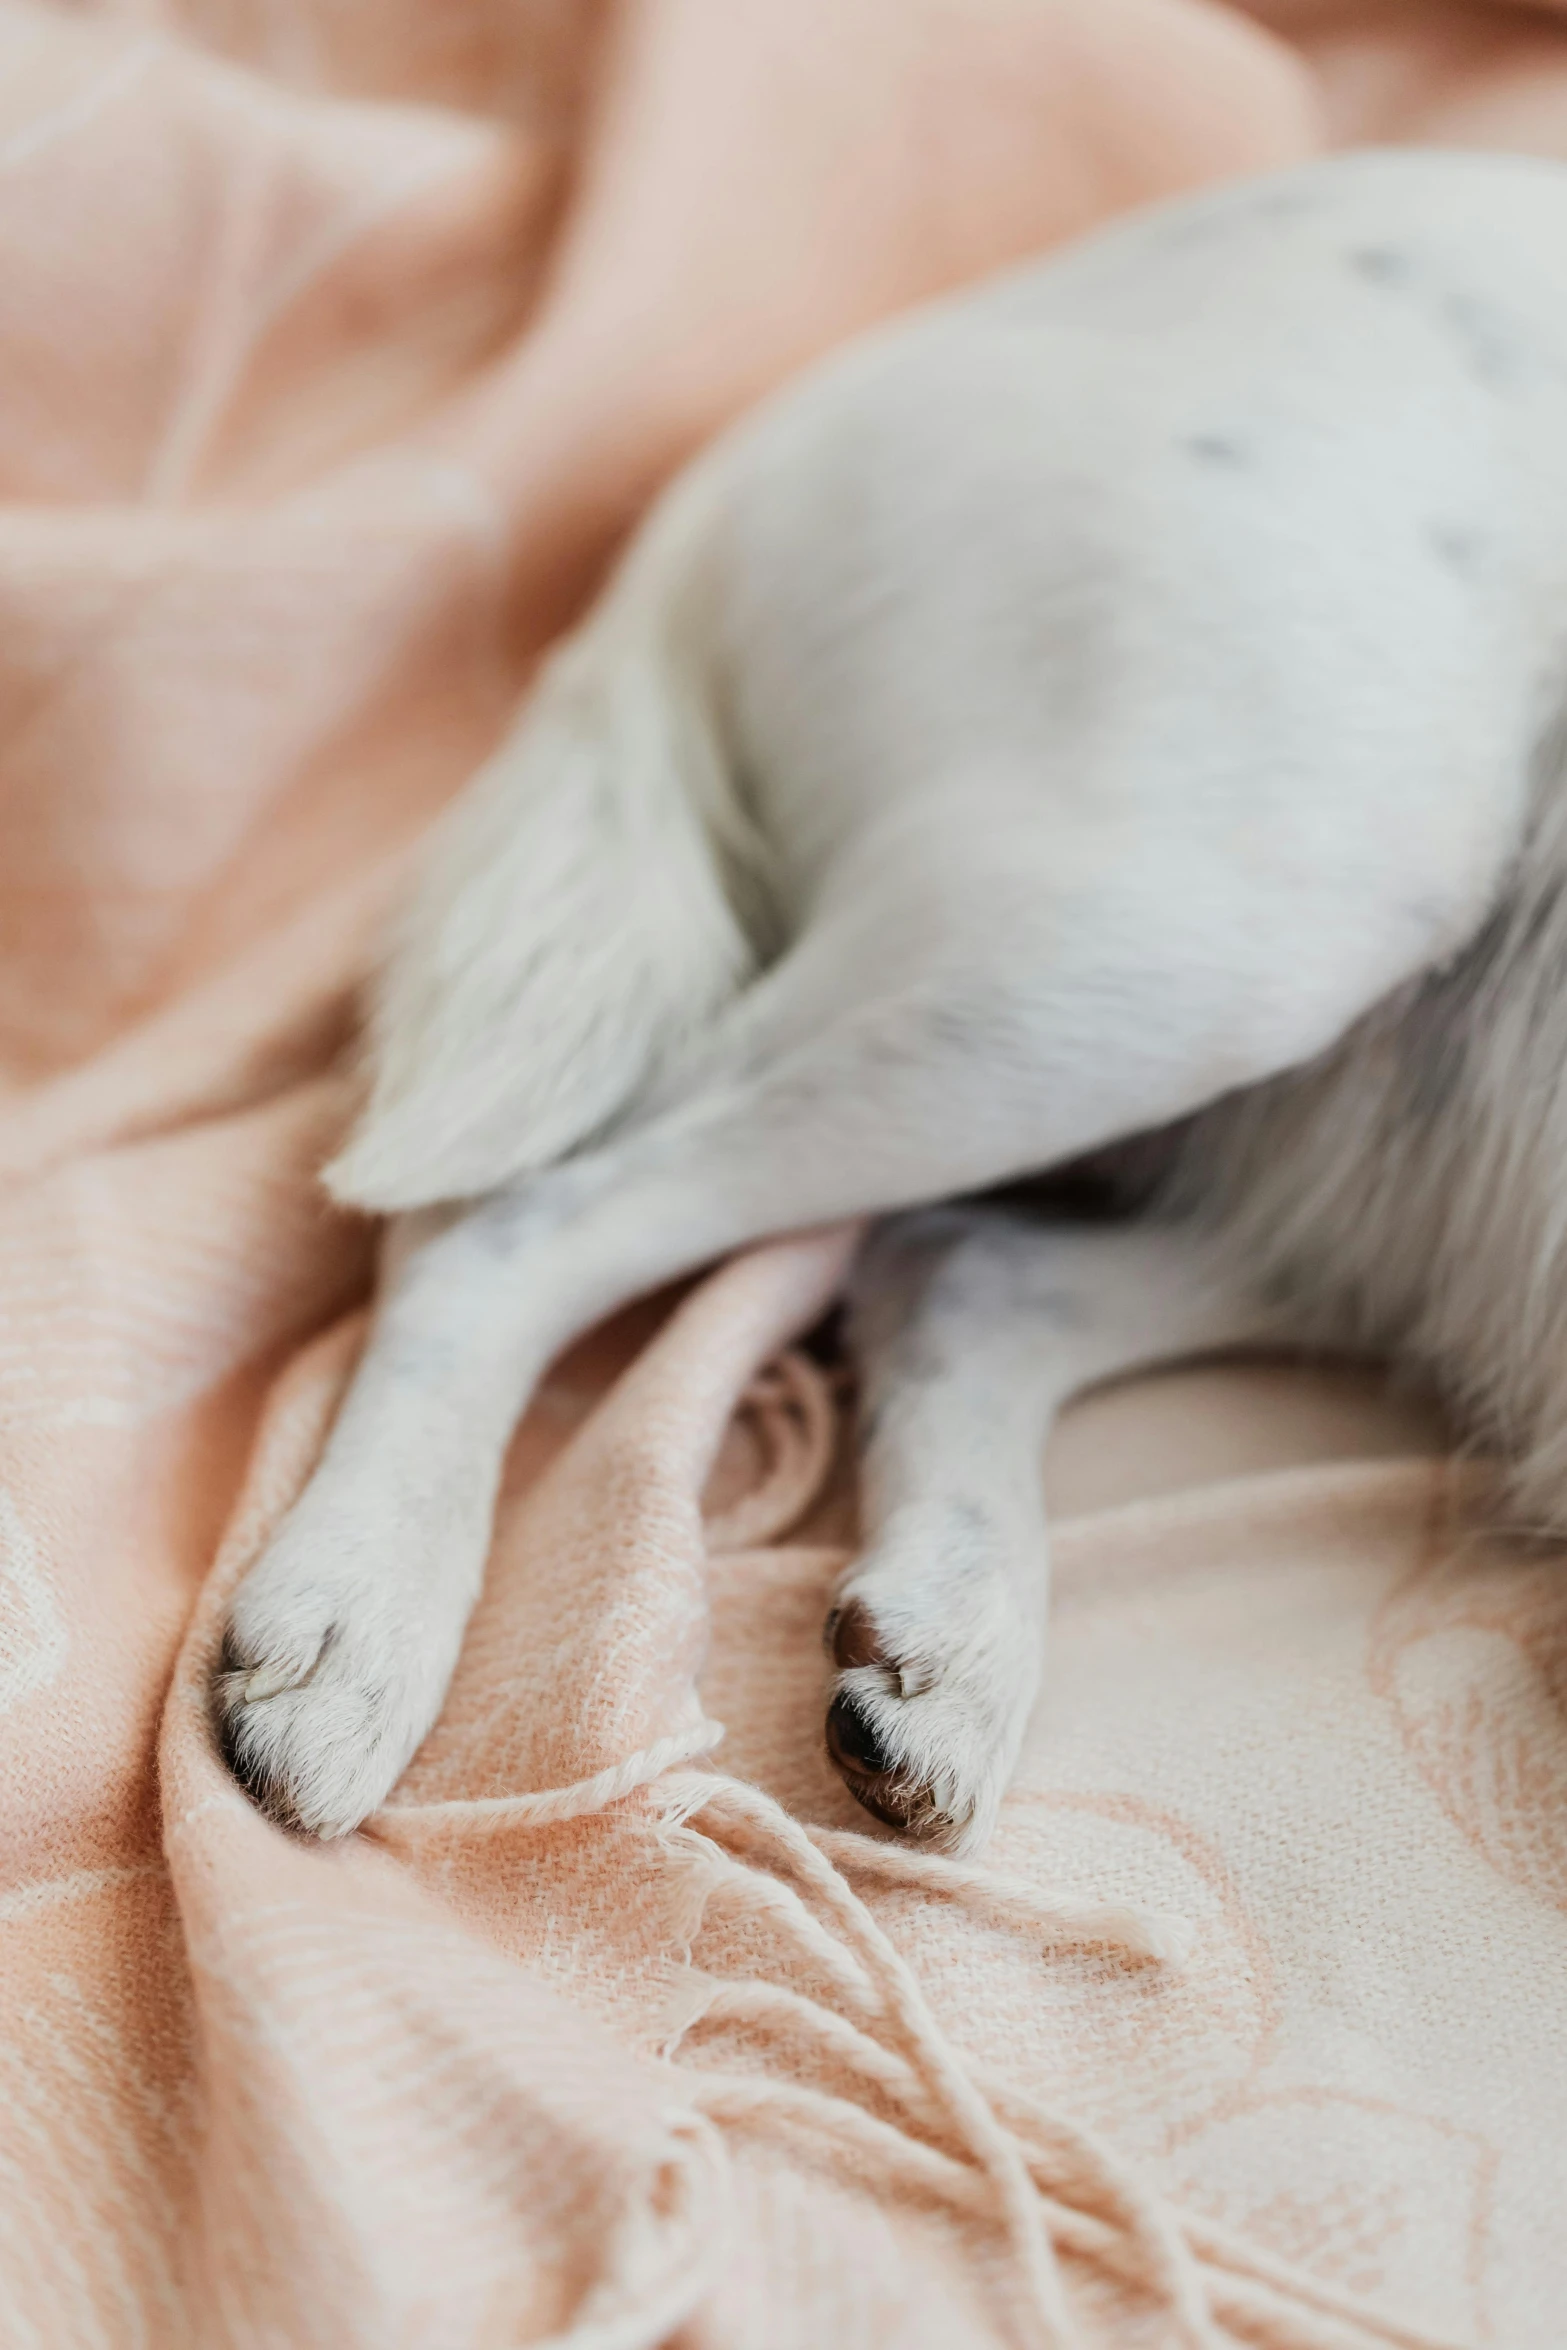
point(576, 924)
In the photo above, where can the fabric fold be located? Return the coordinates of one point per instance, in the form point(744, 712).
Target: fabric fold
point(340, 347)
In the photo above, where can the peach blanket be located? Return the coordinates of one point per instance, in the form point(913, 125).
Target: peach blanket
point(339, 342)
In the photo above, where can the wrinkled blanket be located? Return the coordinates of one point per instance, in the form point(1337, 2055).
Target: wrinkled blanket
point(340, 343)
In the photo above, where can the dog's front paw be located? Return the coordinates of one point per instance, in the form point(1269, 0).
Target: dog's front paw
point(325, 1686)
point(924, 1732)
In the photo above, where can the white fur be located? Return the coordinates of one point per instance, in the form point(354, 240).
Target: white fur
point(1087, 699)
point(576, 924)
point(971, 1327)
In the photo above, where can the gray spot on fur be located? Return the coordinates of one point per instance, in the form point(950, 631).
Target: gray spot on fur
point(1427, 917)
point(1491, 345)
point(1382, 265)
point(1460, 548)
point(1217, 448)
point(971, 1535)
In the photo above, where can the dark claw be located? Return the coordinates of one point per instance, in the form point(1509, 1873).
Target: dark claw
point(230, 1657)
point(245, 1767)
point(852, 1639)
point(233, 1664)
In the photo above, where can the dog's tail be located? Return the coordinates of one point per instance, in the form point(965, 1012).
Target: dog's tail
point(578, 924)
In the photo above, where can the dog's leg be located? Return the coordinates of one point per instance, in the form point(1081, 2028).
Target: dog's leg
point(856, 1078)
point(342, 1639)
point(971, 1327)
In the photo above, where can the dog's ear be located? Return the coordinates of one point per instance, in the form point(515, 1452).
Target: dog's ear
point(572, 934)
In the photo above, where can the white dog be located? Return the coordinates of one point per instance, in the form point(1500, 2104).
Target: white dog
point(1123, 701)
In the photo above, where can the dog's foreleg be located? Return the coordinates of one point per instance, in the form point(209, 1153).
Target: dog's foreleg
point(850, 1080)
point(343, 1637)
point(971, 1327)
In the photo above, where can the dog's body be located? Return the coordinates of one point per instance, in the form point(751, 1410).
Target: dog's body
point(1128, 699)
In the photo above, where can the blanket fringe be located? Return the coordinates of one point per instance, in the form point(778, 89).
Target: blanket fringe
point(1055, 2189)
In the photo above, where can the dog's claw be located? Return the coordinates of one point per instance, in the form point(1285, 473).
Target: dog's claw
point(271, 1681)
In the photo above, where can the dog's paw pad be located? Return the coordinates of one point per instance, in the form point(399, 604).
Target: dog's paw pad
point(917, 1748)
point(870, 1767)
